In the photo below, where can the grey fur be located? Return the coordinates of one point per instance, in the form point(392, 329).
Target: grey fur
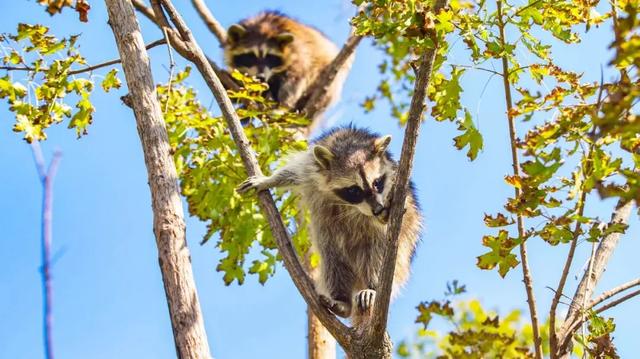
point(348, 236)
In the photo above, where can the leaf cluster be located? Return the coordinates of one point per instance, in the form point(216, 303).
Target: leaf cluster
point(41, 98)
point(210, 169)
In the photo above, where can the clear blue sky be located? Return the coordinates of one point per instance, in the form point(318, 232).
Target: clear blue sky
point(109, 300)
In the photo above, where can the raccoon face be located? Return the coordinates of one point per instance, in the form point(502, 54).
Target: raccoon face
point(361, 179)
point(255, 53)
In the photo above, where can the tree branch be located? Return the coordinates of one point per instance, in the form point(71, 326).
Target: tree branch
point(610, 293)
point(314, 101)
point(86, 69)
point(401, 186)
point(617, 301)
point(178, 44)
point(46, 179)
point(553, 339)
point(526, 271)
point(591, 278)
point(280, 233)
point(212, 23)
point(168, 217)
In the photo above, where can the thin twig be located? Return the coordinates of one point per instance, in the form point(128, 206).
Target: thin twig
point(280, 233)
point(526, 271)
point(617, 301)
point(401, 187)
point(86, 69)
point(610, 293)
point(479, 68)
point(212, 23)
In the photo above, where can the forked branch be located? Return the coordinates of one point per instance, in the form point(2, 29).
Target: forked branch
point(401, 186)
point(280, 233)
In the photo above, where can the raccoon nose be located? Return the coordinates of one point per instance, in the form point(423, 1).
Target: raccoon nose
point(377, 209)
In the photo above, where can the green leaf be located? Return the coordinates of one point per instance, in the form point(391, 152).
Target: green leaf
point(470, 137)
point(111, 81)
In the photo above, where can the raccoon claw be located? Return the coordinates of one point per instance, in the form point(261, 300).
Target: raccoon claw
point(336, 307)
point(365, 299)
point(249, 184)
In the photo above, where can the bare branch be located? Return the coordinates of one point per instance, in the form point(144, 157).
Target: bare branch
point(176, 42)
point(591, 278)
point(46, 179)
point(401, 186)
point(610, 293)
point(168, 215)
point(86, 69)
point(280, 233)
point(212, 23)
point(526, 271)
point(315, 100)
point(553, 339)
point(617, 301)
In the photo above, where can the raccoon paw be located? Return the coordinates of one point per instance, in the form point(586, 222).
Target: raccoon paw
point(250, 183)
point(336, 307)
point(365, 299)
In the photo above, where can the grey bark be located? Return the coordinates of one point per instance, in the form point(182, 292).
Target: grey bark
point(168, 221)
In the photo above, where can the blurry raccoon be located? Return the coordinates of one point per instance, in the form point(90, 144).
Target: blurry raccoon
point(345, 180)
point(284, 53)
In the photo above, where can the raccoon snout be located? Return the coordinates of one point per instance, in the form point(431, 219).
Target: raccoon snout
point(377, 209)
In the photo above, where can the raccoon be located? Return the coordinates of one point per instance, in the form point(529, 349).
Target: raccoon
point(284, 53)
point(345, 179)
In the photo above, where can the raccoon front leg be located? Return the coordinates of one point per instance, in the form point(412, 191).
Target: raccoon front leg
point(280, 178)
point(337, 280)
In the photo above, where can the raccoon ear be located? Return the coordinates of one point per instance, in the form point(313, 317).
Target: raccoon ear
point(284, 38)
point(380, 144)
point(323, 156)
point(235, 33)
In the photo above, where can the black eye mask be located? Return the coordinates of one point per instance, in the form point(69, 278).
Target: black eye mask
point(245, 60)
point(250, 60)
point(353, 194)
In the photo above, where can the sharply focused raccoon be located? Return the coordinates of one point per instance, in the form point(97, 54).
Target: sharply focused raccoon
point(282, 52)
point(344, 179)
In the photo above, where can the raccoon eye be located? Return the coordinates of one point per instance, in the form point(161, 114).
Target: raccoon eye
point(353, 194)
point(273, 61)
point(378, 184)
point(245, 60)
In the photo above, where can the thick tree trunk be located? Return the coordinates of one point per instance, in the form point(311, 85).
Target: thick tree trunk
point(168, 222)
point(321, 343)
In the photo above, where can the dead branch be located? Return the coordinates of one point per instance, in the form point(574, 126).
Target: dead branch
point(168, 217)
point(212, 23)
point(591, 278)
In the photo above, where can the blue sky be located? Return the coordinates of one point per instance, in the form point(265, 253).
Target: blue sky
point(109, 299)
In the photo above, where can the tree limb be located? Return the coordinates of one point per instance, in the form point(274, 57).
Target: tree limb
point(178, 44)
point(591, 278)
point(610, 293)
point(526, 271)
point(46, 177)
point(313, 102)
point(168, 217)
point(280, 233)
point(553, 339)
point(401, 187)
point(212, 23)
point(86, 69)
